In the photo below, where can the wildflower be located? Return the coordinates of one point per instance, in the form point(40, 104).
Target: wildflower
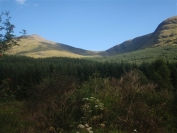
point(84, 99)
point(96, 106)
point(102, 125)
point(85, 107)
point(86, 125)
point(88, 129)
point(80, 126)
point(135, 130)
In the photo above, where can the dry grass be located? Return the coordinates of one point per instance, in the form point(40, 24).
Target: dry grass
point(37, 47)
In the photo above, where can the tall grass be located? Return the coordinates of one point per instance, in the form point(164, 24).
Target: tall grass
point(10, 117)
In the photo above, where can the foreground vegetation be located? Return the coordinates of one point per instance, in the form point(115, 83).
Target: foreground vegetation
point(76, 95)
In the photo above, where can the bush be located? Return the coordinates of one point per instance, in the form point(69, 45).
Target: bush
point(129, 105)
point(52, 103)
point(104, 104)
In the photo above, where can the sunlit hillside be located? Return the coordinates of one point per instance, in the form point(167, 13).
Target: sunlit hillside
point(38, 47)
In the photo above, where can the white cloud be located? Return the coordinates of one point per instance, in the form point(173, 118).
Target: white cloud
point(20, 1)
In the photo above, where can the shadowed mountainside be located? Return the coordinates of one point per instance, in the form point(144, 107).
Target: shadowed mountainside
point(165, 34)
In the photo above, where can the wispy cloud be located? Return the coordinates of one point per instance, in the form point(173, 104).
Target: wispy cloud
point(20, 1)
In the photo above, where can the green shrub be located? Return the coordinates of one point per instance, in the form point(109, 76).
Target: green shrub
point(52, 103)
point(130, 105)
point(59, 103)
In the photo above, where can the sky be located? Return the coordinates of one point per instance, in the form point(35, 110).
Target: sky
point(88, 24)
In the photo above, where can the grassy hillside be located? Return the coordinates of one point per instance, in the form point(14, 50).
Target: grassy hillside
point(165, 34)
point(38, 47)
point(145, 55)
point(127, 46)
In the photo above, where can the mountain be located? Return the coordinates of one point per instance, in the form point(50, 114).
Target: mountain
point(37, 46)
point(165, 34)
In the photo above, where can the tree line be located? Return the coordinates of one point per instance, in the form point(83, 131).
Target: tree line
point(26, 72)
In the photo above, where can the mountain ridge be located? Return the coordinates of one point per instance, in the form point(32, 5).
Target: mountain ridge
point(164, 34)
point(37, 46)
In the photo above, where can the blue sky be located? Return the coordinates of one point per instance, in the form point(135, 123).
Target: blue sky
point(88, 24)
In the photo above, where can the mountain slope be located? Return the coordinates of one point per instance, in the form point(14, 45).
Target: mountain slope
point(165, 34)
point(127, 46)
point(36, 46)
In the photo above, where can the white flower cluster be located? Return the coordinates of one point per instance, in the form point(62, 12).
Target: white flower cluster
point(135, 130)
point(85, 127)
point(92, 110)
point(94, 101)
